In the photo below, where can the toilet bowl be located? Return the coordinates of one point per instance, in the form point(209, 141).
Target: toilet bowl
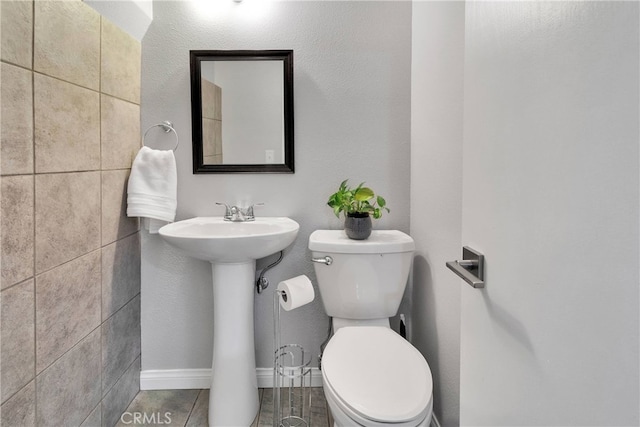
point(371, 375)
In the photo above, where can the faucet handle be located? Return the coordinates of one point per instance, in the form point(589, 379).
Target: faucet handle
point(249, 210)
point(227, 209)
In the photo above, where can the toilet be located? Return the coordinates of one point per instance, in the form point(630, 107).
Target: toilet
point(371, 375)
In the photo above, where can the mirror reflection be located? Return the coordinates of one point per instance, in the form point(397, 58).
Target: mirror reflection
point(242, 111)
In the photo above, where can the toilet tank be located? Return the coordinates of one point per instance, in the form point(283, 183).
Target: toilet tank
point(367, 278)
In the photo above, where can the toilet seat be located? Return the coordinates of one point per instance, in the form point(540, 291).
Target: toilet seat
point(377, 377)
point(345, 417)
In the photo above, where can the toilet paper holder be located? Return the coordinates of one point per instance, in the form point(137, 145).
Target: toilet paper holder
point(291, 377)
point(470, 268)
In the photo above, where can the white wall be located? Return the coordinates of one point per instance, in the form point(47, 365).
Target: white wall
point(352, 120)
point(133, 16)
point(550, 196)
point(436, 193)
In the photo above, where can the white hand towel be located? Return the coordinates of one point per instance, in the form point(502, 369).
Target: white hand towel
point(153, 187)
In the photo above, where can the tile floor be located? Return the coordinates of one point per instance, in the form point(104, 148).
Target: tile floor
point(189, 408)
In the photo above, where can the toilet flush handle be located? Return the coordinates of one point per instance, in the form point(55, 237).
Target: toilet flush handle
point(325, 260)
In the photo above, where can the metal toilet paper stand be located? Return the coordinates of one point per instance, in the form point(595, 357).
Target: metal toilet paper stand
point(291, 377)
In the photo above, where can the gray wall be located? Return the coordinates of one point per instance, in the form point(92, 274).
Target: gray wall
point(352, 112)
point(436, 193)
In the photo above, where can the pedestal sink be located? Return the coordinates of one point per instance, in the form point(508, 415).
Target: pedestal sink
point(232, 248)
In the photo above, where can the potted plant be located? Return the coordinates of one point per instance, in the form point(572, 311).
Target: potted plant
point(358, 205)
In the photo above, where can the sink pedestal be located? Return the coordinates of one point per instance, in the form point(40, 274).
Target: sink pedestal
point(232, 248)
point(233, 398)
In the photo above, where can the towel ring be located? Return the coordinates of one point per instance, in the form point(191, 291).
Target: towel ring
point(167, 126)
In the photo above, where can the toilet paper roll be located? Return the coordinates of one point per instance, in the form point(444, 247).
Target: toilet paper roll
point(296, 292)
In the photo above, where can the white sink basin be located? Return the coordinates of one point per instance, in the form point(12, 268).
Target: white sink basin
point(232, 248)
point(214, 239)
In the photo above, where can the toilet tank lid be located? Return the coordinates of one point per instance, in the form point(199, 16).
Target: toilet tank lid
point(380, 241)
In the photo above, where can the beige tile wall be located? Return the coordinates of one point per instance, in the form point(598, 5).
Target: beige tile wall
point(70, 267)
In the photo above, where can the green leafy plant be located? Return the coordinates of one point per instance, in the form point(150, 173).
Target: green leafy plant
point(356, 200)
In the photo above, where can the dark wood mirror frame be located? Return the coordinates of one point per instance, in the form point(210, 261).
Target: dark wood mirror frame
point(196, 59)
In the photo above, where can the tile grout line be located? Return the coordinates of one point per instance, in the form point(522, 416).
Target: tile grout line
point(261, 416)
point(192, 408)
point(33, 173)
point(96, 91)
point(11, 396)
point(102, 319)
point(18, 283)
point(138, 356)
point(85, 337)
point(257, 420)
point(72, 259)
point(67, 352)
point(91, 412)
point(65, 263)
point(65, 172)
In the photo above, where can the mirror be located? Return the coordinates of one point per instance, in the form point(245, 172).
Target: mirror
point(242, 110)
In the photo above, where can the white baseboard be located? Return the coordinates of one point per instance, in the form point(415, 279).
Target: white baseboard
point(175, 379)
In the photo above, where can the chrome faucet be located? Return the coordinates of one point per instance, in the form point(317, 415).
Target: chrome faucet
point(238, 214)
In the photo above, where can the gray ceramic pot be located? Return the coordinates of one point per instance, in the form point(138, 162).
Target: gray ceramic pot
point(358, 225)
